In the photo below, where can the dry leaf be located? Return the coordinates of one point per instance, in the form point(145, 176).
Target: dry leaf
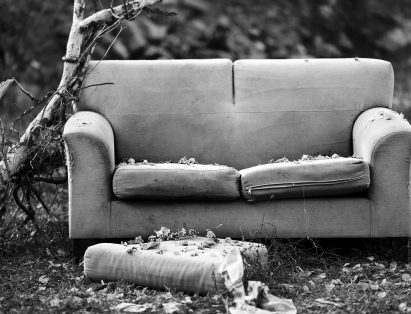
point(54, 302)
point(402, 307)
point(132, 308)
point(381, 295)
point(406, 277)
point(43, 279)
point(171, 307)
point(324, 301)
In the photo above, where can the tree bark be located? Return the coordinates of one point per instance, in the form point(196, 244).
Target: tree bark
point(75, 60)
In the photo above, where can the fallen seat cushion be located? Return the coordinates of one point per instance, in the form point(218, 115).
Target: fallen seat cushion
point(185, 265)
point(307, 178)
point(176, 181)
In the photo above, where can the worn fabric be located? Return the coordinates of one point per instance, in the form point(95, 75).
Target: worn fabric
point(170, 181)
point(383, 138)
point(294, 218)
point(336, 176)
point(89, 142)
point(294, 107)
point(162, 110)
point(184, 268)
point(272, 108)
point(185, 104)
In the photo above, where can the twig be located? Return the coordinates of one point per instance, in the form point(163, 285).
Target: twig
point(52, 180)
point(107, 50)
point(38, 103)
point(26, 209)
point(94, 85)
point(26, 92)
point(108, 16)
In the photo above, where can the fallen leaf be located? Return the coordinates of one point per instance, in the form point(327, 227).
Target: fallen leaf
point(382, 266)
point(187, 300)
point(54, 302)
point(43, 279)
point(76, 299)
point(346, 270)
point(374, 286)
point(324, 301)
point(371, 258)
point(329, 288)
point(381, 295)
point(357, 268)
point(402, 307)
point(111, 296)
point(393, 266)
point(406, 277)
point(336, 282)
point(132, 308)
point(171, 307)
point(321, 276)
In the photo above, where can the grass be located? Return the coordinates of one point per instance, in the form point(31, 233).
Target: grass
point(39, 275)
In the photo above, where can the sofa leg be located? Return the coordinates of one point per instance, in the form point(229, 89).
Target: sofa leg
point(401, 249)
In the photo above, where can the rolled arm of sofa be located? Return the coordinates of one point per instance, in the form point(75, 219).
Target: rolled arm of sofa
point(89, 144)
point(382, 137)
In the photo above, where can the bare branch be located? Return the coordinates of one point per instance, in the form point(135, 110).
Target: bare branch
point(26, 209)
point(52, 180)
point(109, 16)
point(94, 85)
point(4, 86)
point(26, 92)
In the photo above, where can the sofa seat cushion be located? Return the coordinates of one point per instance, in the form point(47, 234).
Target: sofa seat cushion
point(176, 181)
point(327, 177)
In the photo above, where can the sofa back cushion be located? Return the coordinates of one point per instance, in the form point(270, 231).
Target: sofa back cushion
point(294, 107)
point(166, 109)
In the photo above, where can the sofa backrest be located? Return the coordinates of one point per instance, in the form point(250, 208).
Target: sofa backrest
point(239, 114)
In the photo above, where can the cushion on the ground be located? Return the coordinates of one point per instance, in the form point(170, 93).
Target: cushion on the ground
point(176, 181)
point(183, 265)
point(328, 177)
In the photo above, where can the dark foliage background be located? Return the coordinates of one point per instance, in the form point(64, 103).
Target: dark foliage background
point(33, 35)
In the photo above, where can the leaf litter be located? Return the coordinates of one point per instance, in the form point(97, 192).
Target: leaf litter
point(33, 282)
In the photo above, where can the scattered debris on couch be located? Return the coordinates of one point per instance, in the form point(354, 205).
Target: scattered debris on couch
point(187, 262)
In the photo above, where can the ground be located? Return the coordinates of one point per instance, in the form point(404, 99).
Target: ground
point(38, 275)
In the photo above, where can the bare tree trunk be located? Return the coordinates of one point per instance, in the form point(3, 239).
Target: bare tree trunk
point(81, 40)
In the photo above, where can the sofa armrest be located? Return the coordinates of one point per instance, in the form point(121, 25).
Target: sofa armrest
point(89, 144)
point(382, 137)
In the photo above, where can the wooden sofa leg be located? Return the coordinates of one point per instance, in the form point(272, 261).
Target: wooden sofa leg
point(401, 248)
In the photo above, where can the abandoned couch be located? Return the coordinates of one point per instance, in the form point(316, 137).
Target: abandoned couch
point(239, 114)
